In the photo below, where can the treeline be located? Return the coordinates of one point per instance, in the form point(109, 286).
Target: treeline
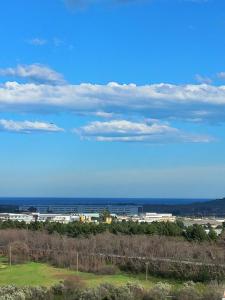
point(70, 290)
point(76, 229)
point(103, 253)
point(8, 208)
point(207, 208)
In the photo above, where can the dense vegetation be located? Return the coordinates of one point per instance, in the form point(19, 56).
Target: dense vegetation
point(207, 208)
point(73, 291)
point(75, 229)
point(101, 253)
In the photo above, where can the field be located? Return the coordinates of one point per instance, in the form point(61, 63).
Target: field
point(45, 275)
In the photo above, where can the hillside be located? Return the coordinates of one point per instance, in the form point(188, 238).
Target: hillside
point(214, 207)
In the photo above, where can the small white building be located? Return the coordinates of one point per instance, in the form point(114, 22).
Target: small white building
point(155, 217)
point(53, 218)
point(148, 218)
point(27, 218)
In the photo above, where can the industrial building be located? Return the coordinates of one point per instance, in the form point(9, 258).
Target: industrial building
point(118, 209)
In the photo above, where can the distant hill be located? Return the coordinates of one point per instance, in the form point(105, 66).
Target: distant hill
point(8, 208)
point(208, 208)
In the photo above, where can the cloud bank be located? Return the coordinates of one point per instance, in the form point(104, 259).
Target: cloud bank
point(43, 90)
point(27, 126)
point(37, 41)
point(190, 102)
point(36, 72)
point(127, 131)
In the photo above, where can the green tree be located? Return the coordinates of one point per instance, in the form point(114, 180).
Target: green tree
point(212, 235)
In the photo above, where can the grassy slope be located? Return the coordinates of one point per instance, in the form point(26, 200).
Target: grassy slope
point(45, 275)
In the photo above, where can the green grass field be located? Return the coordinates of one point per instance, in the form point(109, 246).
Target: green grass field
point(32, 274)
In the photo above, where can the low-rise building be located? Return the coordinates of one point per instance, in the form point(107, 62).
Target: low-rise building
point(148, 218)
point(27, 218)
point(155, 217)
point(84, 217)
point(118, 209)
point(53, 218)
point(205, 221)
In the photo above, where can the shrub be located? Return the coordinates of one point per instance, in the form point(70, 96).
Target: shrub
point(89, 294)
point(24, 293)
point(109, 292)
point(136, 290)
point(188, 292)
point(159, 292)
point(70, 288)
point(213, 292)
point(19, 252)
point(212, 295)
point(37, 293)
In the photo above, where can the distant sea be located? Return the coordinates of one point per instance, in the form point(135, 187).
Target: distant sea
point(66, 201)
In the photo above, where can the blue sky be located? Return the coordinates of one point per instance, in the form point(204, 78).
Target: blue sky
point(112, 98)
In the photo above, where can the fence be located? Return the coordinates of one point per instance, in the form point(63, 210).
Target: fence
point(92, 262)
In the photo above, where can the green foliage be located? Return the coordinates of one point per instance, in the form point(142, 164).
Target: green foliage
point(104, 215)
point(212, 235)
point(160, 291)
point(188, 292)
point(62, 291)
point(76, 229)
point(196, 232)
point(180, 224)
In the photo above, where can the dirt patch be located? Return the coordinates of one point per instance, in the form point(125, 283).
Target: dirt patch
point(70, 278)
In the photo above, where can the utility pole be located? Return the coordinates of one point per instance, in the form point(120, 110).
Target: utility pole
point(77, 262)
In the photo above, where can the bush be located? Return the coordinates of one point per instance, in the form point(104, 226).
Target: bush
point(37, 293)
point(24, 293)
point(89, 294)
point(109, 292)
point(69, 288)
point(159, 292)
point(136, 290)
point(213, 292)
point(19, 252)
point(212, 295)
point(188, 292)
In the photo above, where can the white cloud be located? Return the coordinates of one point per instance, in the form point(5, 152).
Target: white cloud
point(37, 42)
point(203, 79)
point(35, 72)
point(127, 131)
point(27, 126)
point(158, 101)
point(58, 42)
point(103, 114)
point(220, 75)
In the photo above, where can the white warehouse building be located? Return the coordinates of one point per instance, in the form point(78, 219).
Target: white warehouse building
point(155, 217)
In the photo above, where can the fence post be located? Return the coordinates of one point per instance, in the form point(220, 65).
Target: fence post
point(77, 262)
point(10, 255)
point(146, 271)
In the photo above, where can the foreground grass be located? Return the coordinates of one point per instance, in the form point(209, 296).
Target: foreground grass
point(33, 274)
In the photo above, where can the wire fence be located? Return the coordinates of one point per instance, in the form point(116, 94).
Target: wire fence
point(76, 258)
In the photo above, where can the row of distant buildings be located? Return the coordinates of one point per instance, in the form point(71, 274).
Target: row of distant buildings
point(118, 209)
point(149, 217)
point(48, 217)
point(93, 213)
point(29, 217)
